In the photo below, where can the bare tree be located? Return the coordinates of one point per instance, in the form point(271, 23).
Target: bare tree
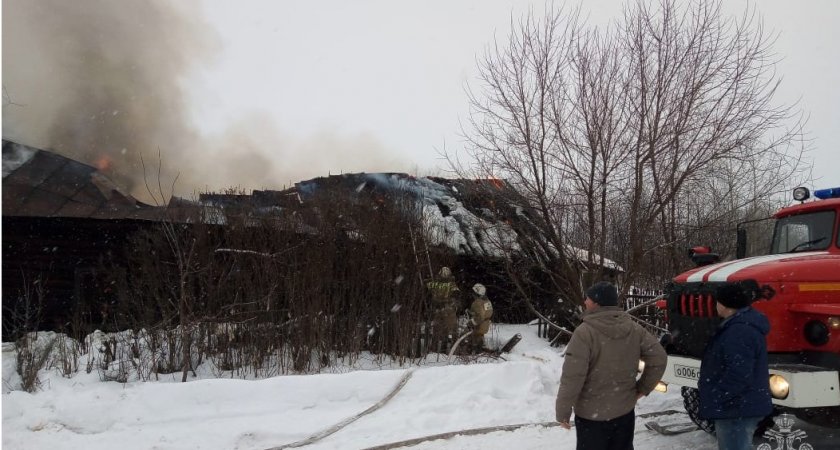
point(513, 138)
point(626, 140)
point(181, 252)
point(701, 95)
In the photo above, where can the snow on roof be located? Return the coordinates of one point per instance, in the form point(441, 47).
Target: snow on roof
point(447, 217)
point(465, 232)
point(446, 220)
point(583, 255)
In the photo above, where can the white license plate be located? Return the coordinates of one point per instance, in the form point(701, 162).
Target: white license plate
point(687, 372)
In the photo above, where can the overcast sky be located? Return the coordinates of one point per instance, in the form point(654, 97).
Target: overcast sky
point(261, 93)
point(395, 71)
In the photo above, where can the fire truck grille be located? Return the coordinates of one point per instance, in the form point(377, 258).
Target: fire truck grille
point(697, 305)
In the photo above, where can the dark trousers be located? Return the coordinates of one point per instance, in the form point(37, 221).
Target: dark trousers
point(613, 434)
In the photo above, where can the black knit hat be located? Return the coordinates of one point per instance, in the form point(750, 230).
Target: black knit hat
point(603, 293)
point(733, 296)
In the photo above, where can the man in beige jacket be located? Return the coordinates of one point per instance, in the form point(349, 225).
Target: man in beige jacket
point(599, 380)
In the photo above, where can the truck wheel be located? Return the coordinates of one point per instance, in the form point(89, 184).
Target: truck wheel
point(691, 401)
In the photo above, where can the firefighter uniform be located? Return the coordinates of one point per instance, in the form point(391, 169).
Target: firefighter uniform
point(481, 310)
point(444, 293)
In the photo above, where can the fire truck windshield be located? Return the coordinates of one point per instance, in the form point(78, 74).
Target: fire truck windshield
point(803, 232)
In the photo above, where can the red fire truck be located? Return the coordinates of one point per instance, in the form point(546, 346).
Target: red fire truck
point(796, 284)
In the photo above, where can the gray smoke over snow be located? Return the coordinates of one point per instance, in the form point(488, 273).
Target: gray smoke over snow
point(101, 81)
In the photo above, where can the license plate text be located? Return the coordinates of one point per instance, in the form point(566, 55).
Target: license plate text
point(691, 373)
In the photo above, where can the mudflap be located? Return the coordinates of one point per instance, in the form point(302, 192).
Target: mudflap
point(671, 429)
point(670, 422)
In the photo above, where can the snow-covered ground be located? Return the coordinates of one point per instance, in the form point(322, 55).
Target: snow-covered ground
point(83, 412)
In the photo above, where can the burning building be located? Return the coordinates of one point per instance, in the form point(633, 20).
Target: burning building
point(63, 220)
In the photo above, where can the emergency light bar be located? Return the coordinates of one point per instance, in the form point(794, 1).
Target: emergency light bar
point(825, 194)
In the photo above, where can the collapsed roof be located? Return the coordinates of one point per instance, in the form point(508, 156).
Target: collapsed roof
point(470, 217)
point(448, 218)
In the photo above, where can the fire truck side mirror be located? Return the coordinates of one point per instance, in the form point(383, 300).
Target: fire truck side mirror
point(702, 256)
point(741, 243)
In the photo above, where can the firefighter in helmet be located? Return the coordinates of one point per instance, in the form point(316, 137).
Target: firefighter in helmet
point(444, 292)
point(481, 310)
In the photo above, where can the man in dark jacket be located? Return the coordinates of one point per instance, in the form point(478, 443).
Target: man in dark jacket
point(734, 378)
point(600, 369)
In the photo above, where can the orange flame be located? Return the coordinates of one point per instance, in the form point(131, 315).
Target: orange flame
point(496, 182)
point(103, 163)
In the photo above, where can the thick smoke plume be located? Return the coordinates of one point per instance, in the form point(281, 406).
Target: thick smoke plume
point(104, 82)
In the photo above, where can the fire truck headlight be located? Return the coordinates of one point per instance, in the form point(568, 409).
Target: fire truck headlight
point(816, 333)
point(834, 323)
point(779, 387)
point(801, 194)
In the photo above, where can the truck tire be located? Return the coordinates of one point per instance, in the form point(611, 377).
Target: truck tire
point(691, 401)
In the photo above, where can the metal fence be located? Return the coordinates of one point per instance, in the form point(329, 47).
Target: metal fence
point(640, 304)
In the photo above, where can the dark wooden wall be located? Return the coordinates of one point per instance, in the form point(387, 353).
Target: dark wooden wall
point(64, 258)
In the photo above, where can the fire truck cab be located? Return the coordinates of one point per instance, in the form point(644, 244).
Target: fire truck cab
point(796, 284)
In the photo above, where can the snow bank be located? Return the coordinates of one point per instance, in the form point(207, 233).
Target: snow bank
point(84, 412)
